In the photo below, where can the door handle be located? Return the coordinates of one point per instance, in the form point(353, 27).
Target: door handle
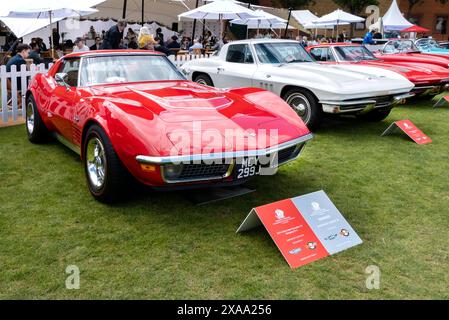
point(268, 75)
point(220, 69)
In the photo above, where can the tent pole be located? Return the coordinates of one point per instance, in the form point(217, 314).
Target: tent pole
point(125, 2)
point(194, 23)
point(51, 38)
point(143, 11)
point(288, 21)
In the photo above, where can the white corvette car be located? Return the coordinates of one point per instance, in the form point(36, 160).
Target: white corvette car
point(311, 89)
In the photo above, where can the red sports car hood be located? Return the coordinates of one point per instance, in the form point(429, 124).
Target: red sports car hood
point(184, 105)
point(415, 72)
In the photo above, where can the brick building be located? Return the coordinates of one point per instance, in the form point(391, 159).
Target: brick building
point(430, 14)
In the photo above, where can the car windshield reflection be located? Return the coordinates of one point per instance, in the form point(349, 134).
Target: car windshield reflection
point(127, 69)
point(287, 52)
point(354, 53)
point(400, 46)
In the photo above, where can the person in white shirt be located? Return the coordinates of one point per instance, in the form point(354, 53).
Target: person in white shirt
point(196, 45)
point(80, 46)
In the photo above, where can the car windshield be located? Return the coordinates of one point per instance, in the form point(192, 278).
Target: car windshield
point(400, 46)
point(127, 68)
point(354, 53)
point(427, 44)
point(282, 52)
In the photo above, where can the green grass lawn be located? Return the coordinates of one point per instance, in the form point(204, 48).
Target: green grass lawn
point(158, 245)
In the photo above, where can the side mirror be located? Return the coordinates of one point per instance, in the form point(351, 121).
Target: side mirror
point(61, 78)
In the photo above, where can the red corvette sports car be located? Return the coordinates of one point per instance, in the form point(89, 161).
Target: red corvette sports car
point(428, 78)
point(134, 112)
point(407, 51)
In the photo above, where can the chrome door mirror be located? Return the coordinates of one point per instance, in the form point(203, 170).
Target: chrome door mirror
point(61, 79)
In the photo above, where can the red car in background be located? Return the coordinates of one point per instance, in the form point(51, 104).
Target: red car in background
point(406, 51)
point(428, 78)
point(134, 112)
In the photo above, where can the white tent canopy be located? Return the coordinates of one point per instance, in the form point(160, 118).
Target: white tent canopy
point(162, 11)
point(220, 10)
point(305, 18)
point(23, 17)
point(393, 20)
point(266, 20)
point(338, 17)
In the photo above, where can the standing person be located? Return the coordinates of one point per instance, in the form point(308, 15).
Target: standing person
point(80, 46)
point(56, 38)
point(23, 51)
point(160, 35)
point(114, 35)
point(41, 44)
point(145, 39)
point(96, 45)
point(377, 34)
point(342, 36)
point(34, 54)
point(369, 37)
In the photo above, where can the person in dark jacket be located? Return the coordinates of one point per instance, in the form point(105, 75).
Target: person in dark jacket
point(96, 45)
point(173, 43)
point(161, 48)
point(34, 54)
point(56, 38)
point(23, 51)
point(114, 36)
point(160, 35)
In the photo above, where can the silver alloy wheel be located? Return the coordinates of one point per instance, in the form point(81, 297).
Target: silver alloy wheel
point(96, 162)
point(301, 105)
point(30, 117)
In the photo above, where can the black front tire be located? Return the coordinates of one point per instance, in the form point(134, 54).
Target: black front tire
point(36, 130)
point(306, 105)
point(114, 175)
point(375, 115)
point(204, 79)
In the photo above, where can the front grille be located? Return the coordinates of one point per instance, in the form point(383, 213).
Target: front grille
point(201, 170)
point(384, 100)
point(381, 101)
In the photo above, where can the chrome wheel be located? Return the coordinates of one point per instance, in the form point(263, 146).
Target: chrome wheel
point(96, 162)
point(301, 105)
point(202, 81)
point(30, 117)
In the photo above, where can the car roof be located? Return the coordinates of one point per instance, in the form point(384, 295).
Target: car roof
point(95, 53)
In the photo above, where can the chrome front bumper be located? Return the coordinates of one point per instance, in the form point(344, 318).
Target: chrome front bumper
point(230, 158)
point(362, 104)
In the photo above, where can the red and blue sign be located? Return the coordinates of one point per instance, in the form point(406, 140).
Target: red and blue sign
point(305, 228)
point(410, 130)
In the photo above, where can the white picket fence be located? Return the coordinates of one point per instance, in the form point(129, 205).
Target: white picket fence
point(10, 110)
point(180, 60)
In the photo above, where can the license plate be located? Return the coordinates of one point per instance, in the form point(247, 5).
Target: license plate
point(247, 167)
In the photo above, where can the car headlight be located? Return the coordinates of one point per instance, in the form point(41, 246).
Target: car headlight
point(172, 171)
